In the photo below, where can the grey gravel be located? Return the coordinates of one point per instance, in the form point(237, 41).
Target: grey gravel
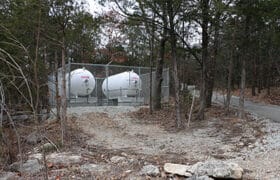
point(261, 157)
point(112, 111)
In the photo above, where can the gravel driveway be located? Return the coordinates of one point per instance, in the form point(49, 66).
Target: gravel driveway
point(112, 128)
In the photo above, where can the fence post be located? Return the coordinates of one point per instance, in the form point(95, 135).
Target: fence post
point(107, 75)
point(107, 79)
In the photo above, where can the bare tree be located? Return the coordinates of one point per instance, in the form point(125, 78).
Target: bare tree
point(35, 67)
point(160, 61)
point(2, 96)
point(244, 58)
point(171, 7)
point(150, 28)
point(205, 41)
point(62, 11)
point(230, 68)
point(63, 114)
point(57, 96)
point(241, 112)
point(10, 62)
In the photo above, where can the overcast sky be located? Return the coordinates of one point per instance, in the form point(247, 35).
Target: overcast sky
point(96, 8)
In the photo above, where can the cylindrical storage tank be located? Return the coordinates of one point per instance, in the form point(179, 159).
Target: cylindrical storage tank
point(82, 83)
point(125, 84)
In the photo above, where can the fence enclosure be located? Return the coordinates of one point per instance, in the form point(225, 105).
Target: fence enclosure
point(100, 73)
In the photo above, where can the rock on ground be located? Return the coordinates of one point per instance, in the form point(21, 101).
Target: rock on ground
point(178, 169)
point(195, 177)
point(38, 156)
point(204, 170)
point(8, 175)
point(117, 159)
point(48, 147)
point(150, 170)
point(33, 138)
point(94, 168)
point(64, 158)
point(218, 169)
point(31, 166)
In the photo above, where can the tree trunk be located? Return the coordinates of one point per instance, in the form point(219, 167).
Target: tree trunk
point(179, 123)
point(57, 96)
point(268, 87)
point(151, 42)
point(230, 68)
point(268, 80)
point(242, 90)
point(212, 63)
point(173, 40)
point(245, 57)
point(2, 104)
point(205, 39)
point(160, 62)
point(151, 46)
point(158, 81)
point(260, 79)
point(255, 78)
point(63, 94)
point(253, 90)
point(210, 85)
point(151, 83)
point(35, 69)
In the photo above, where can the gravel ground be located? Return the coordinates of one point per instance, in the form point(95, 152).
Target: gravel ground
point(113, 129)
point(263, 158)
point(112, 111)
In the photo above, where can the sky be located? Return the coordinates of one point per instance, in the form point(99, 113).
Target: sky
point(95, 8)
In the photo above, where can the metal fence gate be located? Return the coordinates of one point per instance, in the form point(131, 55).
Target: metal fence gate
point(100, 73)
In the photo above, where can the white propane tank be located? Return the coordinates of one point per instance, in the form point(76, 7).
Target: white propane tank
point(82, 83)
point(125, 84)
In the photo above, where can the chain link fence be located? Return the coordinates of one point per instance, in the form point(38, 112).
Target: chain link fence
point(114, 85)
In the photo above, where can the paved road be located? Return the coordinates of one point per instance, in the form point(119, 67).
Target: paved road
point(269, 111)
